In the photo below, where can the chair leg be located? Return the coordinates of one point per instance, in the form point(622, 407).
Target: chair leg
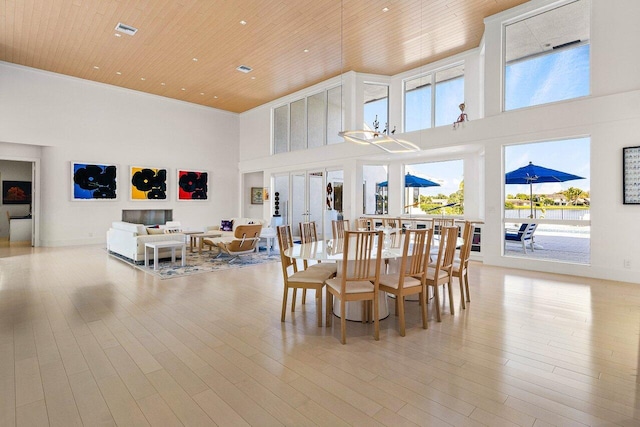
point(376, 321)
point(343, 322)
point(460, 280)
point(423, 303)
point(318, 306)
point(284, 303)
point(400, 302)
point(304, 296)
point(436, 299)
point(451, 308)
point(329, 313)
point(466, 283)
point(293, 299)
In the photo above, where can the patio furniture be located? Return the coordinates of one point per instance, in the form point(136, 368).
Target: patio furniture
point(524, 235)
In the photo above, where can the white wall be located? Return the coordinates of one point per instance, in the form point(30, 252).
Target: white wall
point(78, 120)
point(610, 117)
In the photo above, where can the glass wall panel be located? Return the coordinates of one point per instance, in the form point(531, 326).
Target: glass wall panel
point(281, 129)
point(375, 190)
point(449, 94)
point(298, 125)
point(316, 119)
point(445, 198)
point(417, 103)
point(334, 115)
point(376, 106)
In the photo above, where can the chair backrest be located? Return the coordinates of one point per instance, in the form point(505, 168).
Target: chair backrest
point(446, 249)
point(362, 257)
point(364, 224)
point(338, 227)
point(527, 233)
point(415, 254)
point(247, 231)
point(246, 238)
point(439, 223)
point(465, 250)
point(308, 232)
point(285, 241)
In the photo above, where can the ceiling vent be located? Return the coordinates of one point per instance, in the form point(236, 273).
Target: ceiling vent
point(127, 29)
point(244, 68)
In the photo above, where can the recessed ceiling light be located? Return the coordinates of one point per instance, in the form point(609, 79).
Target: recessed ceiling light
point(162, 84)
point(386, 9)
point(195, 59)
point(243, 22)
point(201, 93)
point(118, 73)
point(95, 67)
point(253, 78)
point(142, 78)
point(183, 89)
point(215, 97)
point(118, 35)
point(306, 50)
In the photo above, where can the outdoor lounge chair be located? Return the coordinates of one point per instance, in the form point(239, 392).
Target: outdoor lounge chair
point(524, 236)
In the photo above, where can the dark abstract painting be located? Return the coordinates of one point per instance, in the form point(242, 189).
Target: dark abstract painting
point(16, 192)
point(148, 183)
point(192, 185)
point(94, 182)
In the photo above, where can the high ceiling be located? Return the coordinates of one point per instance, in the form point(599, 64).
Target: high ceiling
point(189, 49)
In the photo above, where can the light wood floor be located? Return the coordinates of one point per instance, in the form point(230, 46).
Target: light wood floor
point(87, 340)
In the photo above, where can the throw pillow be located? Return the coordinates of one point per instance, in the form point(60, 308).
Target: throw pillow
point(226, 225)
point(153, 230)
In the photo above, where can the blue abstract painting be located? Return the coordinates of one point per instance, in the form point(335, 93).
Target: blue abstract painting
point(94, 182)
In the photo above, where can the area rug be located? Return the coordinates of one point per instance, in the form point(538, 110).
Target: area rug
point(203, 263)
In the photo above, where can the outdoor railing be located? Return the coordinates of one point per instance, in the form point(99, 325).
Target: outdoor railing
point(558, 214)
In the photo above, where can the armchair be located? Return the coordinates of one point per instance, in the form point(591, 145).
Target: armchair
point(246, 238)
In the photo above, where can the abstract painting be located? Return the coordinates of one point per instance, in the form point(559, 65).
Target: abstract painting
point(192, 185)
point(148, 183)
point(93, 181)
point(16, 192)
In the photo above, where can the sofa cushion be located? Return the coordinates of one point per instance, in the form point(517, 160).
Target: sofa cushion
point(226, 225)
point(154, 230)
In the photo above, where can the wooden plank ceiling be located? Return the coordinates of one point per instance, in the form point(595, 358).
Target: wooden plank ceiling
point(189, 49)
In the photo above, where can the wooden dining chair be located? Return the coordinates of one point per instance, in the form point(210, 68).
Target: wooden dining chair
point(364, 224)
point(440, 272)
point(410, 279)
point(309, 234)
point(439, 223)
point(461, 263)
point(338, 227)
point(359, 279)
point(305, 279)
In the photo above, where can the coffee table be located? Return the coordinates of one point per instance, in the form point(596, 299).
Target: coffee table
point(167, 244)
point(197, 238)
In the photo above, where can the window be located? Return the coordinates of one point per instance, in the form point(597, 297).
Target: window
point(445, 198)
point(308, 122)
point(547, 57)
point(375, 190)
point(424, 107)
point(376, 107)
point(556, 203)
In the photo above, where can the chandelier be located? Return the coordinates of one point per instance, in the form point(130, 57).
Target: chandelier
point(383, 140)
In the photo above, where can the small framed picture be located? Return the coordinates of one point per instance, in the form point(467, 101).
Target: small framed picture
point(256, 196)
point(631, 175)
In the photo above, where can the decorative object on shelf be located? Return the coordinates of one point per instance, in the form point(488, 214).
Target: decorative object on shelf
point(461, 118)
point(265, 194)
point(192, 185)
point(276, 204)
point(329, 196)
point(148, 183)
point(93, 181)
point(256, 195)
point(631, 175)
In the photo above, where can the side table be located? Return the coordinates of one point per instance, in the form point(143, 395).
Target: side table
point(171, 244)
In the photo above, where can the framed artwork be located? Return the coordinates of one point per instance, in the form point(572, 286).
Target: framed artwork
point(631, 175)
point(92, 181)
point(16, 192)
point(148, 183)
point(192, 185)
point(256, 196)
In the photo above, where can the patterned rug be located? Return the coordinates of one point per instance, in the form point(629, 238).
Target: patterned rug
point(203, 263)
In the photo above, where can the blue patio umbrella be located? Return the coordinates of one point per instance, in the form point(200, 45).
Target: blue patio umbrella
point(532, 174)
point(413, 181)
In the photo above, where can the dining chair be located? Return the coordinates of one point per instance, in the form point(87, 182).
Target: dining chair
point(364, 224)
point(359, 278)
point(440, 272)
point(410, 279)
point(305, 279)
point(338, 227)
point(461, 263)
point(439, 222)
point(309, 234)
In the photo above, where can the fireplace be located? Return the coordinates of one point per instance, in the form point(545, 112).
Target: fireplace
point(147, 216)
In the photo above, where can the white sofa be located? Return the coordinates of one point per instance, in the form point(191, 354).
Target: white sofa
point(227, 236)
point(127, 240)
